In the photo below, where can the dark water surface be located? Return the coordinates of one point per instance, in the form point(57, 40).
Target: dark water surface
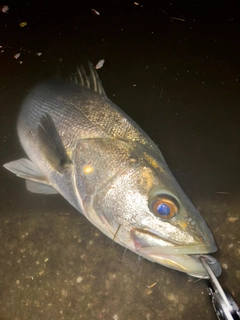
point(179, 80)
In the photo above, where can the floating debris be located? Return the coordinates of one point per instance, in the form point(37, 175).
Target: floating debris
point(100, 64)
point(21, 50)
point(4, 9)
point(179, 19)
point(161, 94)
point(137, 4)
point(222, 192)
point(17, 55)
point(152, 285)
point(95, 12)
point(23, 24)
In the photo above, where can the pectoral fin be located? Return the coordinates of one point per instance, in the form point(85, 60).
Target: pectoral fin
point(37, 187)
point(35, 181)
point(26, 169)
point(51, 143)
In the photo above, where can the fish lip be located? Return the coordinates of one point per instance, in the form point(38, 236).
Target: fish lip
point(150, 242)
point(178, 250)
point(190, 264)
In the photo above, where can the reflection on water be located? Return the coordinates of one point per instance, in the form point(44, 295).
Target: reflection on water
point(54, 263)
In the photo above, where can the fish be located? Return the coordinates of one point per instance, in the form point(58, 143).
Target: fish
point(80, 144)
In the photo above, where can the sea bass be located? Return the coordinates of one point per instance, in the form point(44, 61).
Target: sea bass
point(81, 145)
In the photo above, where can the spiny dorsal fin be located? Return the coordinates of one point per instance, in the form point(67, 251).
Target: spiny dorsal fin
point(91, 81)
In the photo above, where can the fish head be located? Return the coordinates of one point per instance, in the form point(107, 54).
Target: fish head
point(168, 229)
point(133, 197)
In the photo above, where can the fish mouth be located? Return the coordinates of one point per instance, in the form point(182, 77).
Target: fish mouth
point(179, 256)
point(188, 263)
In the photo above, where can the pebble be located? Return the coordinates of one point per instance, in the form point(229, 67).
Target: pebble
point(79, 279)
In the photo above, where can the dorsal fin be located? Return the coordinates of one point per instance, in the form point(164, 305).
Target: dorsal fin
point(91, 81)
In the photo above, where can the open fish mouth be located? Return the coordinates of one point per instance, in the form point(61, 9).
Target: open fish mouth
point(178, 256)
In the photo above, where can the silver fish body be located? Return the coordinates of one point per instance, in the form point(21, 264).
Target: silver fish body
point(84, 147)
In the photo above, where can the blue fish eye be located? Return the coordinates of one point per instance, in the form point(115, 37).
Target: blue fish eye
point(163, 209)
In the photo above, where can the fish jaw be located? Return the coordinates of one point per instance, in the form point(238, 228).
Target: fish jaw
point(181, 257)
point(189, 264)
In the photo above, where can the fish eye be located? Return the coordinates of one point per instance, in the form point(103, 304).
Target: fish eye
point(163, 207)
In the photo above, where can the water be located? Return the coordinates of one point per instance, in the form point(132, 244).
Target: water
point(180, 82)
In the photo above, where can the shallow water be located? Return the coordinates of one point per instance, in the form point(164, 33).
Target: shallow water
point(179, 80)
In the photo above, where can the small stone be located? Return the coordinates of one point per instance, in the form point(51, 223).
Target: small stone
point(83, 256)
point(172, 297)
point(79, 279)
point(64, 293)
point(107, 284)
